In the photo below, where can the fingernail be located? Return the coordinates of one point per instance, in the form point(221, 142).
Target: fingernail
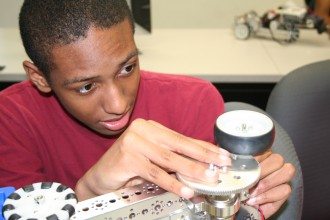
point(187, 192)
point(251, 201)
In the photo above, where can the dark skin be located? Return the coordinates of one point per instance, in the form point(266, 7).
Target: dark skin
point(96, 80)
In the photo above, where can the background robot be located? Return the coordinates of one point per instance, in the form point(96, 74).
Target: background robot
point(281, 24)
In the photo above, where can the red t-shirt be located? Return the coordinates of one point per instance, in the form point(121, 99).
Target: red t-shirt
point(39, 141)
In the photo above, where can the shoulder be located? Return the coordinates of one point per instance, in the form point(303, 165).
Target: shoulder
point(16, 88)
point(16, 93)
point(185, 104)
point(23, 92)
point(162, 78)
point(22, 99)
point(178, 87)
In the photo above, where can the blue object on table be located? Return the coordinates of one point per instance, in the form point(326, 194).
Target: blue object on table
point(4, 193)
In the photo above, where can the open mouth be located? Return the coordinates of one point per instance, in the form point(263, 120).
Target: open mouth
point(116, 124)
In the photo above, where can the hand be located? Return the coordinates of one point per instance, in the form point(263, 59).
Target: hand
point(148, 151)
point(273, 189)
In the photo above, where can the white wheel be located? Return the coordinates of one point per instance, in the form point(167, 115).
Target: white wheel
point(242, 31)
point(42, 201)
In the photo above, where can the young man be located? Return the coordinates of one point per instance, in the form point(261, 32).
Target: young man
point(90, 119)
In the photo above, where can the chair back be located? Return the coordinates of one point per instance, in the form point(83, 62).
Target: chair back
point(300, 103)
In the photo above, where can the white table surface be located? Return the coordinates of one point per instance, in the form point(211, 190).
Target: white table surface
point(211, 54)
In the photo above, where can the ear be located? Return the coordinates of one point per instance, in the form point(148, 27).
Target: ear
point(36, 77)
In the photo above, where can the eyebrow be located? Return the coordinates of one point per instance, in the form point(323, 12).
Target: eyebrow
point(129, 56)
point(78, 80)
point(86, 79)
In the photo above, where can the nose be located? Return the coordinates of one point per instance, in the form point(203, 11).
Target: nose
point(114, 100)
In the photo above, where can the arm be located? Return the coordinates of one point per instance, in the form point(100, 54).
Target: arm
point(149, 150)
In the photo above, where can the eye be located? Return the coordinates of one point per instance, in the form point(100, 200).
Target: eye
point(86, 88)
point(127, 69)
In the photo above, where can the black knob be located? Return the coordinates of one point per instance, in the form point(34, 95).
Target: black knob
point(244, 132)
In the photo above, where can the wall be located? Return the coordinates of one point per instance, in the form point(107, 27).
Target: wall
point(9, 10)
point(206, 13)
point(174, 13)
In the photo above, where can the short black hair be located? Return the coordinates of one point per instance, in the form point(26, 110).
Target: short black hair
point(45, 24)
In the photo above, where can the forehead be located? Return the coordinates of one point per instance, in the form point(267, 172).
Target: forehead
point(99, 46)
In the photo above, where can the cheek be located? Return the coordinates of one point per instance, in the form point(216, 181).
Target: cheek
point(84, 110)
point(133, 87)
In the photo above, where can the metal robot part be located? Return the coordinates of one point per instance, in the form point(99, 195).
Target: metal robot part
point(148, 201)
point(245, 133)
point(46, 200)
point(145, 201)
point(242, 175)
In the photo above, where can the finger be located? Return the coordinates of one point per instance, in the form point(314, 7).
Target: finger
point(284, 175)
point(211, 147)
point(271, 164)
point(209, 153)
point(224, 154)
point(275, 194)
point(155, 174)
point(269, 209)
point(203, 144)
point(169, 160)
point(184, 145)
